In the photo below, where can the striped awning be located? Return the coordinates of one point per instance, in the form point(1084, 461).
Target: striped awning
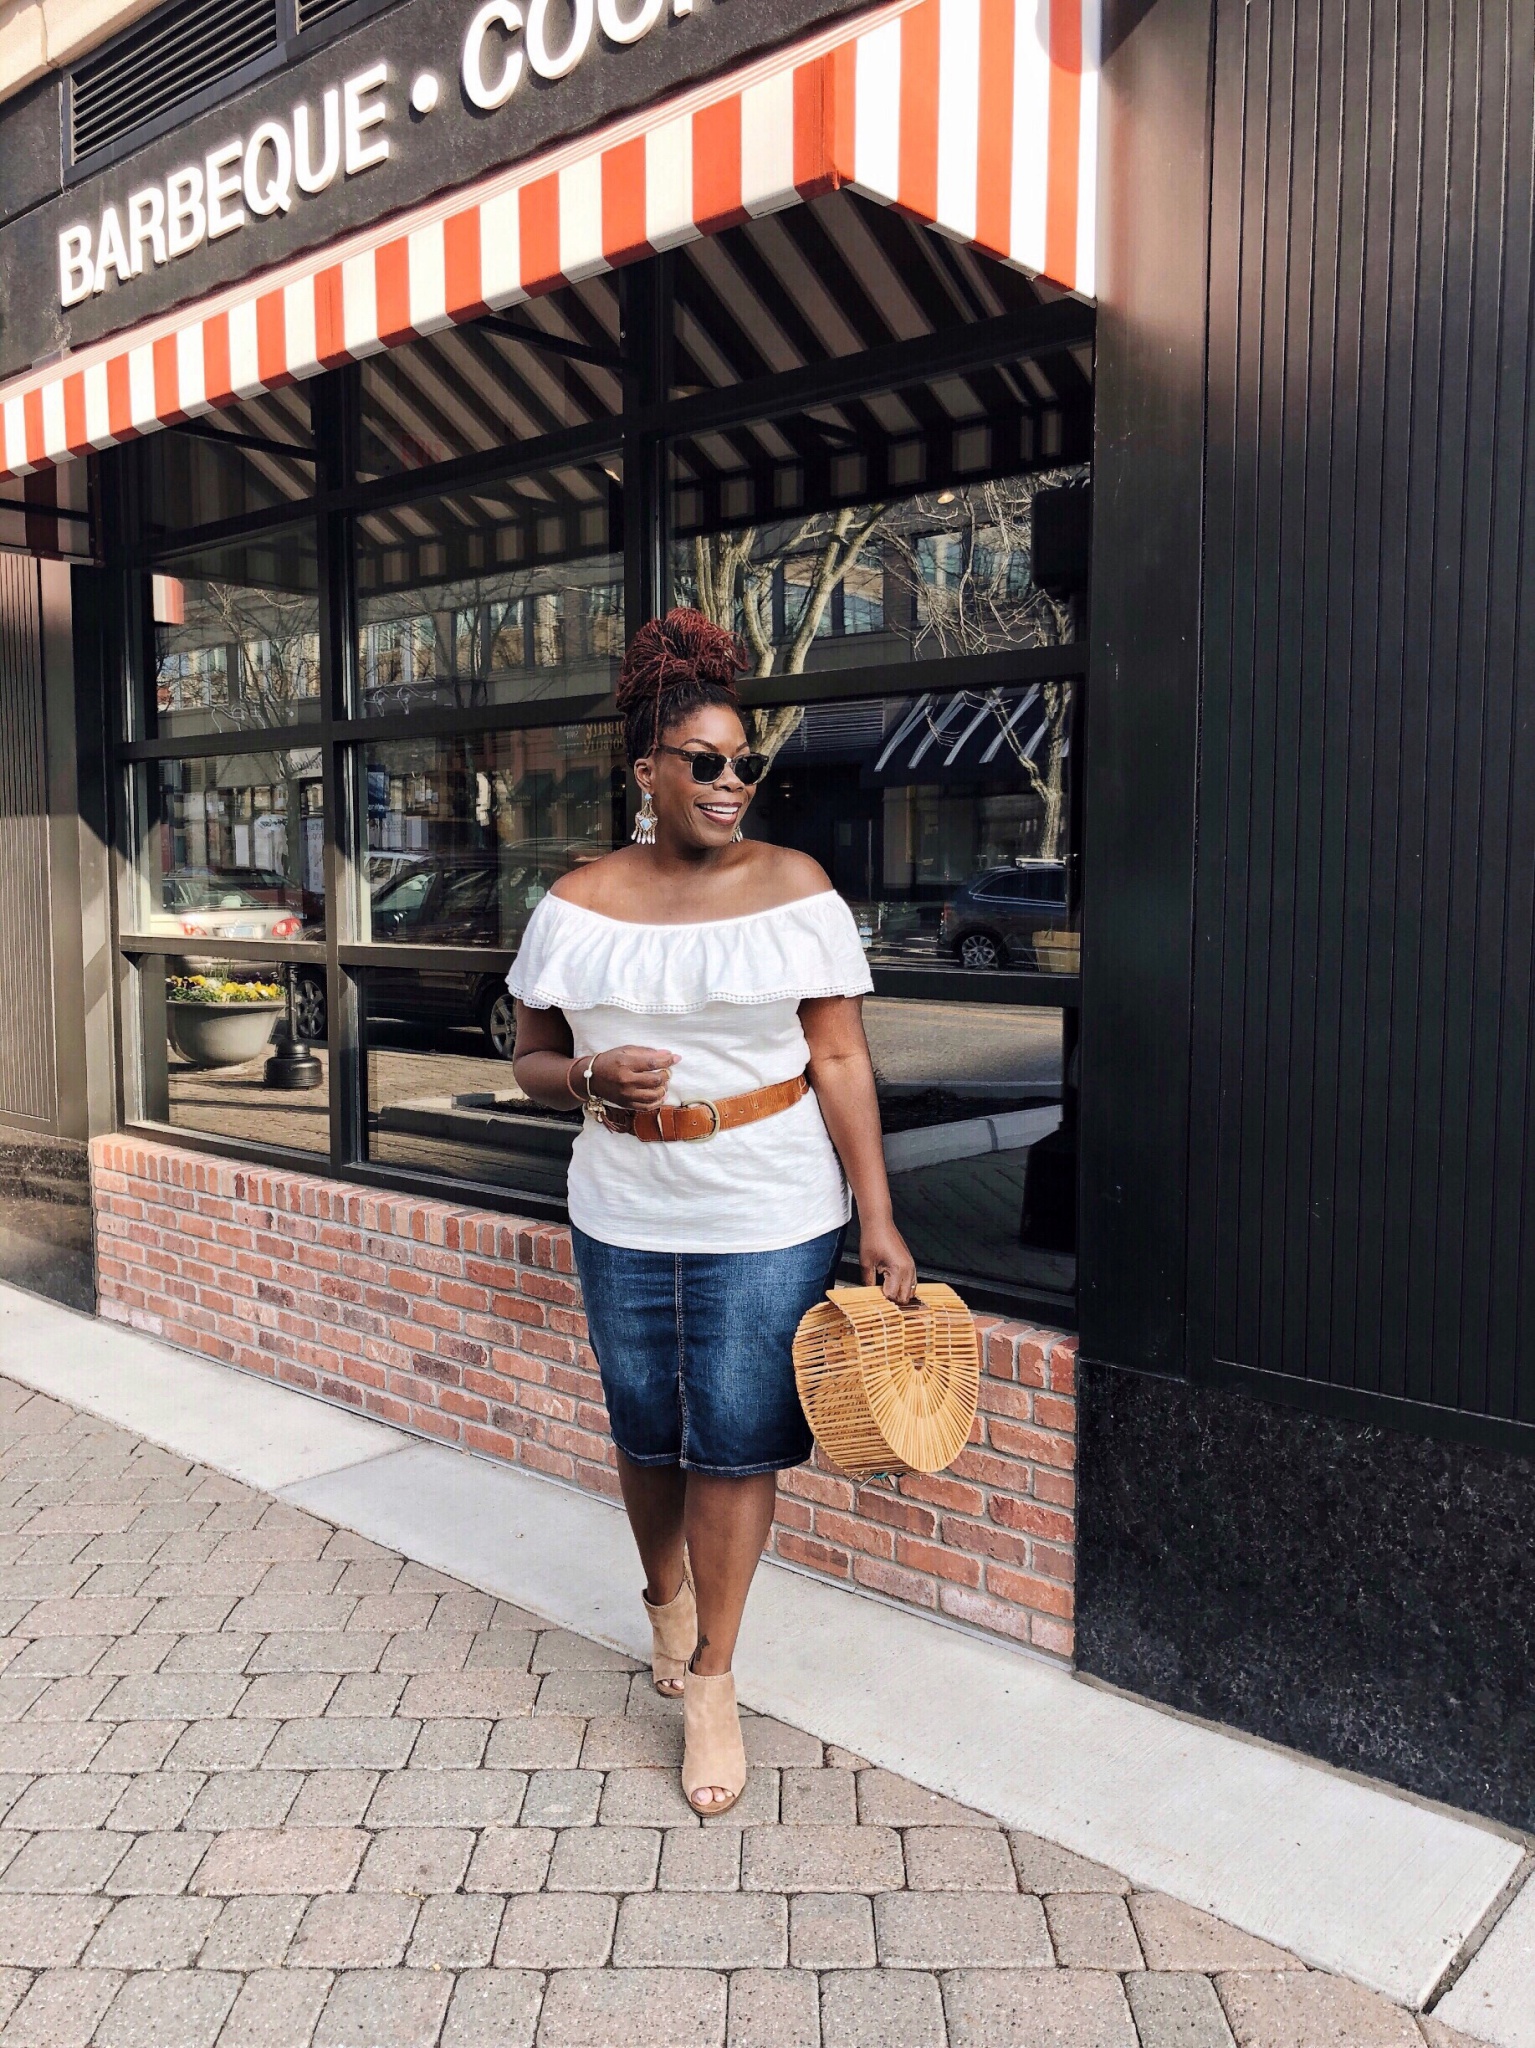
point(975, 117)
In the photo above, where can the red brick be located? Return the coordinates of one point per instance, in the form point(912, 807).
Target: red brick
point(793, 1514)
point(1051, 1412)
point(932, 1557)
point(1058, 1637)
point(820, 1557)
point(1025, 1589)
point(1054, 1563)
point(819, 1486)
point(545, 1287)
point(491, 1442)
point(467, 1327)
point(999, 1397)
point(982, 1611)
point(896, 1513)
point(911, 1588)
point(579, 1442)
point(988, 1470)
point(544, 1344)
point(558, 1407)
point(985, 1541)
point(601, 1479)
point(1031, 1518)
point(1057, 1487)
point(555, 1464)
point(942, 1490)
point(851, 1534)
point(1039, 1446)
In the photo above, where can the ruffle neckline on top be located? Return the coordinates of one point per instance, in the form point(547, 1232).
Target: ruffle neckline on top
point(572, 958)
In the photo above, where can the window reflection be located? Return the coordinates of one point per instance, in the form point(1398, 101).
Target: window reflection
point(465, 835)
point(236, 636)
point(231, 846)
point(942, 818)
point(819, 564)
point(213, 1031)
point(440, 1092)
point(493, 597)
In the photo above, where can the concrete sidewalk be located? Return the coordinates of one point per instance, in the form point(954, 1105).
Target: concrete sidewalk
point(1338, 1874)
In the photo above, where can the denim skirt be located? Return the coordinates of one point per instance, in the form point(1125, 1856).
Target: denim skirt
point(696, 1350)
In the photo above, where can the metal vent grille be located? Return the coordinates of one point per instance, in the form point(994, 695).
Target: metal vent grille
point(167, 60)
point(311, 11)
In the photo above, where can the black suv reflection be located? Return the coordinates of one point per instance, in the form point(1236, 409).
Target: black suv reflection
point(994, 919)
point(471, 901)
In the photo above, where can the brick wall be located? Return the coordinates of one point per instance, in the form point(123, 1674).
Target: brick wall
point(467, 1327)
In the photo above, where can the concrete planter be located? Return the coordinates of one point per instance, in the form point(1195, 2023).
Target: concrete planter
point(220, 1034)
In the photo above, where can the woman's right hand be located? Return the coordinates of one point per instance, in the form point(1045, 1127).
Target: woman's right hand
point(632, 1076)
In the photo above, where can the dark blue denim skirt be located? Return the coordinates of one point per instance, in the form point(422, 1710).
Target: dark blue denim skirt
point(696, 1350)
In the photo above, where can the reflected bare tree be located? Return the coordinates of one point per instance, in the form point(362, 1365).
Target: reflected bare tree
point(733, 586)
point(272, 655)
point(961, 559)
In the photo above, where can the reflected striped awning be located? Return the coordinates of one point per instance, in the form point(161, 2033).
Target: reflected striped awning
point(975, 117)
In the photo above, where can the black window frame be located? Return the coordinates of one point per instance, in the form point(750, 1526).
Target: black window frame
point(341, 732)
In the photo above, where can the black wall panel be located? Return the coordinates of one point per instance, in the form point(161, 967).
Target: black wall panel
point(1142, 710)
point(1362, 1092)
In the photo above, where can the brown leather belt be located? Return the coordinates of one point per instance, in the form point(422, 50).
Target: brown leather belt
point(688, 1123)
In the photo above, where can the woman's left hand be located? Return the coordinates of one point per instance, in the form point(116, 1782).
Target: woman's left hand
point(883, 1258)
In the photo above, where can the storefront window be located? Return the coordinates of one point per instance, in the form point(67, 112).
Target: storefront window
point(829, 543)
point(495, 596)
point(440, 1094)
point(231, 846)
point(214, 1031)
point(465, 835)
point(236, 636)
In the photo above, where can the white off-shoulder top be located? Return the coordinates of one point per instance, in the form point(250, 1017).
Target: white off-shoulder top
point(724, 997)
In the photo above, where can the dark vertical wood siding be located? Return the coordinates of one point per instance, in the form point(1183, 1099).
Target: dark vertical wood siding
point(1361, 1210)
point(28, 1088)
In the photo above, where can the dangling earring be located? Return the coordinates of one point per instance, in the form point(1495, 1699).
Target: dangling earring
point(644, 833)
point(738, 836)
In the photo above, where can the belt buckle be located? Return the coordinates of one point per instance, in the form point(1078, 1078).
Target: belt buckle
point(703, 1136)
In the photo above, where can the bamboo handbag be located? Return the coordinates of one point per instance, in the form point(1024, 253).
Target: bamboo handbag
point(885, 1389)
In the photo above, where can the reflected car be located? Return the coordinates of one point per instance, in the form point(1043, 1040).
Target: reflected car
point(469, 902)
point(995, 919)
point(243, 903)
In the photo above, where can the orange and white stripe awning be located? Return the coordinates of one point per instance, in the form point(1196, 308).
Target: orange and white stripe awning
point(976, 117)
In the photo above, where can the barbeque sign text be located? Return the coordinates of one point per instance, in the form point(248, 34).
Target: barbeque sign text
point(251, 177)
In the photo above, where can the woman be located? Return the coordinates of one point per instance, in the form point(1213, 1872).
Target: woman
point(699, 995)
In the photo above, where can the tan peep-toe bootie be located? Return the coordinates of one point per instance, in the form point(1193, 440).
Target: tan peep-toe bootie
point(673, 1636)
point(712, 1752)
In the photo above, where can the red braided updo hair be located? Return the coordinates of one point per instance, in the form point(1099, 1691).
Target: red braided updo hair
point(674, 666)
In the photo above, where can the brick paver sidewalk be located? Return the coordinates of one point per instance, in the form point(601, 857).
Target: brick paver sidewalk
point(262, 1782)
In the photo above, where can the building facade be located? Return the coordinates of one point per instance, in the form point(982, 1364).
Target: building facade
point(1105, 427)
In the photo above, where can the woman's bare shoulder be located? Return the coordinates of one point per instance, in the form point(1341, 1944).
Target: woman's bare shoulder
point(595, 882)
point(786, 876)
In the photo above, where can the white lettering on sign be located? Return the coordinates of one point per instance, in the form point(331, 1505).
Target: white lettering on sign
point(268, 187)
point(309, 179)
point(488, 97)
point(362, 113)
point(250, 178)
point(558, 63)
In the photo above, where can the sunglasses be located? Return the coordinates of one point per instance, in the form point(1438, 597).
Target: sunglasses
point(708, 766)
